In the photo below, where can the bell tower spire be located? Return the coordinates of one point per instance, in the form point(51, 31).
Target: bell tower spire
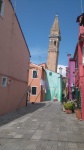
point(53, 50)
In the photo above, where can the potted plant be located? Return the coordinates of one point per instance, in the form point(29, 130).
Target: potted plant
point(78, 113)
point(69, 107)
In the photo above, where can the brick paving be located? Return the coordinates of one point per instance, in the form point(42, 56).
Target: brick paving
point(41, 126)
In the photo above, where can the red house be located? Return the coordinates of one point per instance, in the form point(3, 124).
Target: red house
point(79, 61)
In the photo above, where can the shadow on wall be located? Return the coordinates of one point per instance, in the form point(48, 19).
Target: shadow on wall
point(48, 96)
point(53, 91)
point(4, 119)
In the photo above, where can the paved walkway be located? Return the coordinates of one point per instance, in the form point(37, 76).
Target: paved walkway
point(41, 126)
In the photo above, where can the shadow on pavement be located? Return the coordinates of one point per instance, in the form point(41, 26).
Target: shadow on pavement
point(30, 108)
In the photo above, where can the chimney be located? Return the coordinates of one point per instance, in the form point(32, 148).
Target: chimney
point(69, 55)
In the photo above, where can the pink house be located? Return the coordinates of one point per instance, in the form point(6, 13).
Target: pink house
point(14, 60)
point(79, 61)
point(71, 76)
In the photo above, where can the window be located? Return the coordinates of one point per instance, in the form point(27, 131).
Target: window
point(55, 43)
point(1, 7)
point(4, 81)
point(34, 73)
point(34, 90)
point(50, 73)
point(0, 4)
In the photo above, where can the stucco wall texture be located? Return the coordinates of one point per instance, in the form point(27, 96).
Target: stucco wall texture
point(54, 86)
point(14, 61)
point(35, 82)
point(71, 76)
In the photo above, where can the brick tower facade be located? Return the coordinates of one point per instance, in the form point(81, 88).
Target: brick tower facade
point(53, 50)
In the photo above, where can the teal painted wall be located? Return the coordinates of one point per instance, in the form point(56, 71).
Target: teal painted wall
point(54, 86)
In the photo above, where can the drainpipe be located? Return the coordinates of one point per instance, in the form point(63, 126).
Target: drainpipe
point(69, 55)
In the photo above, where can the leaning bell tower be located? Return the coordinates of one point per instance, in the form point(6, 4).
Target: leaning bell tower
point(53, 50)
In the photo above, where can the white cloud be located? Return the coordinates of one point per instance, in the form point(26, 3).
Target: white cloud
point(63, 69)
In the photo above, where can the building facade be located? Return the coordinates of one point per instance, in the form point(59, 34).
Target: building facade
point(53, 50)
point(71, 75)
point(36, 83)
point(54, 90)
point(79, 67)
point(14, 60)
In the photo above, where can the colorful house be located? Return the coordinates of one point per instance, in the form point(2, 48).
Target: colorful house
point(54, 90)
point(14, 60)
point(79, 62)
point(36, 82)
point(67, 82)
point(71, 76)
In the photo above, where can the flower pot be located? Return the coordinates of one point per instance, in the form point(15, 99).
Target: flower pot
point(78, 113)
point(68, 111)
point(63, 108)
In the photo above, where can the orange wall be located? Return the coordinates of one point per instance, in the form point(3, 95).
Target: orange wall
point(36, 82)
point(14, 61)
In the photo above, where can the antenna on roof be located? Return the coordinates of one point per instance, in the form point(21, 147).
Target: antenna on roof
point(81, 6)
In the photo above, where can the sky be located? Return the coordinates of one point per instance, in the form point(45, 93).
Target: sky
point(36, 18)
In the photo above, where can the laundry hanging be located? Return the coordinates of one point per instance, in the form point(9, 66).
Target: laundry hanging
point(44, 85)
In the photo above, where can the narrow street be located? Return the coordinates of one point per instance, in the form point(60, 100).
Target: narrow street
point(42, 126)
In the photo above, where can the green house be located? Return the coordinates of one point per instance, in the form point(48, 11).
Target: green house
point(54, 90)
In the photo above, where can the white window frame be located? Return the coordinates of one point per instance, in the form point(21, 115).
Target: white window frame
point(32, 73)
point(2, 9)
point(5, 81)
point(36, 90)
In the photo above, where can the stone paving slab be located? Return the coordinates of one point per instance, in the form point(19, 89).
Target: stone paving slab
point(42, 126)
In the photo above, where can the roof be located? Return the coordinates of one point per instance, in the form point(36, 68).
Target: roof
point(55, 30)
point(35, 65)
point(42, 64)
point(71, 59)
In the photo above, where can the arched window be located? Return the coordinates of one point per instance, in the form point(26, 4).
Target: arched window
point(55, 43)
